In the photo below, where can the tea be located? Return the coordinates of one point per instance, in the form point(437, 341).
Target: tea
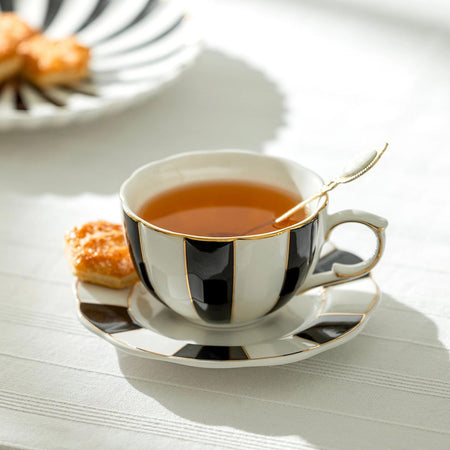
point(221, 208)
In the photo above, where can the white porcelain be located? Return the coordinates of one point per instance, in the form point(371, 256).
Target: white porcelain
point(230, 281)
point(137, 48)
point(134, 321)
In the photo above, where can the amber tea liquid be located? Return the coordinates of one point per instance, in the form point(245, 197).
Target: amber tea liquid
point(221, 208)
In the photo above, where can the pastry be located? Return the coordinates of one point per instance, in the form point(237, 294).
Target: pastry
point(13, 31)
point(97, 252)
point(47, 62)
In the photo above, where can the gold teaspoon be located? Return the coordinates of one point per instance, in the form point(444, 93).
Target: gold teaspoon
point(355, 168)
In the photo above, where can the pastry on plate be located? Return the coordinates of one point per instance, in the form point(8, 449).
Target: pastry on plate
point(13, 31)
point(48, 62)
point(98, 253)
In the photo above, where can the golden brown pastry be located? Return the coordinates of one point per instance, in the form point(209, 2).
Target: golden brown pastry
point(97, 252)
point(13, 31)
point(48, 63)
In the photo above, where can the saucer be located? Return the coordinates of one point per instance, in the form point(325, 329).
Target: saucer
point(136, 322)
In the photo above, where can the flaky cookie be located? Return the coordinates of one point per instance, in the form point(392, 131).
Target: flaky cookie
point(47, 62)
point(13, 30)
point(97, 252)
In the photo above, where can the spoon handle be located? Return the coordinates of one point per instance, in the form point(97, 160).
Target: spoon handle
point(325, 188)
point(357, 167)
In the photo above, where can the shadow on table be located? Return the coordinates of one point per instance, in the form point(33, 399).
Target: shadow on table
point(220, 102)
point(313, 398)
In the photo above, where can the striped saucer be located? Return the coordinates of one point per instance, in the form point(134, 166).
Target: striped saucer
point(134, 321)
point(137, 48)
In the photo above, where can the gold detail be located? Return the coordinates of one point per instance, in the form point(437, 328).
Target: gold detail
point(88, 322)
point(378, 231)
point(234, 281)
point(363, 222)
point(147, 268)
point(372, 304)
point(124, 331)
point(377, 294)
point(142, 254)
point(287, 354)
point(245, 351)
point(309, 219)
point(332, 184)
point(340, 314)
point(109, 336)
point(142, 249)
point(339, 337)
point(285, 271)
point(349, 331)
point(375, 262)
point(288, 245)
point(309, 340)
point(125, 344)
point(187, 277)
point(130, 294)
point(323, 296)
point(364, 314)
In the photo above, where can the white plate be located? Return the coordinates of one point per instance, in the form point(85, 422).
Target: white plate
point(137, 48)
point(311, 323)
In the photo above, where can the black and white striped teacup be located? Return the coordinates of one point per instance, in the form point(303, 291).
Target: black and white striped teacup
point(232, 281)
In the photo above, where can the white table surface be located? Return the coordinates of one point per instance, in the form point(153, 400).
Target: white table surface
point(315, 81)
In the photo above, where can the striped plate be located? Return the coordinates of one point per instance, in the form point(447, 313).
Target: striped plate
point(311, 323)
point(137, 47)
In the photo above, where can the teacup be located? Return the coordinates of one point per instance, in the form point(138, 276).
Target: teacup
point(236, 280)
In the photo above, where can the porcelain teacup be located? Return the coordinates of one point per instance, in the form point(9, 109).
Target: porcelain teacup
point(235, 280)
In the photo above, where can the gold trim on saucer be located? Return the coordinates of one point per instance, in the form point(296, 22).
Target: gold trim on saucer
point(111, 336)
point(245, 351)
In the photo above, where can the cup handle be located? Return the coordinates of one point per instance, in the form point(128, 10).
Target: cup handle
point(344, 272)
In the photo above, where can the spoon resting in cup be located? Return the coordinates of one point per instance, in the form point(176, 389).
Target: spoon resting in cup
point(355, 168)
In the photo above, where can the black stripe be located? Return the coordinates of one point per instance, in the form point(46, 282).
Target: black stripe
point(20, 105)
point(328, 327)
point(54, 101)
point(144, 13)
point(52, 10)
point(302, 247)
point(325, 263)
point(7, 5)
point(99, 7)
point(210, 272)
point(108, 318)
point(134, 244)
point(151, 41)
point(78, 90)
point(88, 86)
point(210, 352)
